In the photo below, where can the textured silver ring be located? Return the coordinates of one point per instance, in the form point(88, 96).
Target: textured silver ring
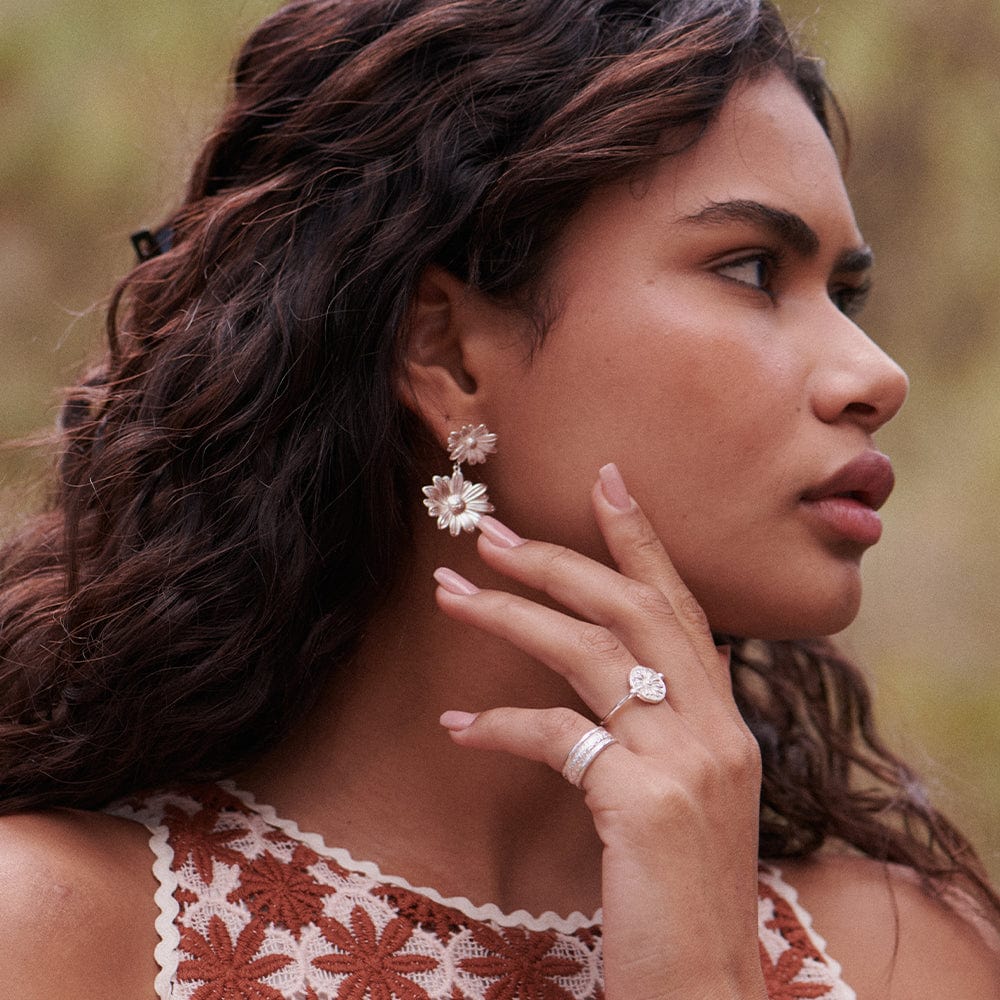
point(584, 752)
point(645, 684)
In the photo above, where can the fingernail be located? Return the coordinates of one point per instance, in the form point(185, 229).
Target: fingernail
point(499, 534)
point(613, 487)
point(454, 583)
point(457, 721)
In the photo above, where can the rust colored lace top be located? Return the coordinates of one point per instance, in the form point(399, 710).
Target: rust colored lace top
point(251, 908)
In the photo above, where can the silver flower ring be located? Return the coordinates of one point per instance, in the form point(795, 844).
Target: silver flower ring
point(645, 684)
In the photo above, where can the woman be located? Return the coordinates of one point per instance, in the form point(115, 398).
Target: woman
point(560, 237)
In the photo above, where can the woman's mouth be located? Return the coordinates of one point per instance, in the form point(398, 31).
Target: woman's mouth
point(847, 502)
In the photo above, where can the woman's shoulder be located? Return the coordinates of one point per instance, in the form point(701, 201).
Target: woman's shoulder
point(893, 939)
point(77, 911)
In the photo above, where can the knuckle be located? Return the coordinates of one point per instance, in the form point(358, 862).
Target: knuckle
point(562, 725)
point(645, 541)
point(494, 720)
point(554, 563)
point(649, 602)
point(741, 760)
point(507, 611)
point(707, 772)
point(597, 641)
point(504, 605)
point(691, 612)
point(746, 737)
point(670, 798)
point(714, 772)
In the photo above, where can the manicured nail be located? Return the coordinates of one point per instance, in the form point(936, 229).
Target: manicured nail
point(457, 721)
point(499, 534)
point(613, 487)
point(454, 583)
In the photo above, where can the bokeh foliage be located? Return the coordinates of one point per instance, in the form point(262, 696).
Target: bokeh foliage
point(102, 106)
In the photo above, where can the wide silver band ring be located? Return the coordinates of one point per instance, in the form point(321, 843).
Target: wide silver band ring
point(645, 684)
point(584, 753)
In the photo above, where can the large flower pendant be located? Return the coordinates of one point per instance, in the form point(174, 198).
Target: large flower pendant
point(457, 505)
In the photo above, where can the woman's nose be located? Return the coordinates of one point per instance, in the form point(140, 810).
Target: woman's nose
point(856, 381)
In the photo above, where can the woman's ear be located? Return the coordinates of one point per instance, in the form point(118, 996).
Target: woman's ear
point(438, 379)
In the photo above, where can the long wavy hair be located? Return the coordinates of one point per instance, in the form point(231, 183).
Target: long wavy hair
point(235, 472)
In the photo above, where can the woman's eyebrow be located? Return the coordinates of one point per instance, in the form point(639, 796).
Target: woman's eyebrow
point(855, 261)
point(789, 228)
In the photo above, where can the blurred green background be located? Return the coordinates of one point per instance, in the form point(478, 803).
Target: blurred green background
point(103, 106)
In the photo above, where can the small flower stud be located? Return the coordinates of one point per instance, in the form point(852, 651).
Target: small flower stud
point(458, 505)
point(471, 444)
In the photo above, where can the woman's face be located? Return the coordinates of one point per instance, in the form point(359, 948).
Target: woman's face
point(704, 341)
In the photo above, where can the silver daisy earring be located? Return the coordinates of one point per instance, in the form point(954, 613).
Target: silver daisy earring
point(456, 504)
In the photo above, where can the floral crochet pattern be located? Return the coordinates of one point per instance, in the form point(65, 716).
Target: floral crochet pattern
point(372, 964)
point(253, 909)
point(442, 921)
point(228, 971)
point(524, 963)
point(287, 894)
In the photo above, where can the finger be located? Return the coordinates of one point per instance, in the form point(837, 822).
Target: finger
point(546, 735)
point(640, 554)
point(636, 612)
point(590, 657)
point(594, 662)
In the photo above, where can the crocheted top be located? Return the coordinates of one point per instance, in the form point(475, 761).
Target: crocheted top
point(251, 908)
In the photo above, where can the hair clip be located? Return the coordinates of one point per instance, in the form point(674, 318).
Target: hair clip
point(149, 245)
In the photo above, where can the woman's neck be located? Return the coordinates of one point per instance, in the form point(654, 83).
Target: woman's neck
point(373, 771)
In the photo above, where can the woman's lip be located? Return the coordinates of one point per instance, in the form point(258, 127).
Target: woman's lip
point(865, 481)
point(846, 502)
point(850, 518)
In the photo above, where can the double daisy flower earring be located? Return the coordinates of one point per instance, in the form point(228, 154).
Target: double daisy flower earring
point(458, 505)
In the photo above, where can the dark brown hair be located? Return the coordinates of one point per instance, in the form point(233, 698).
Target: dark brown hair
point(235, 473)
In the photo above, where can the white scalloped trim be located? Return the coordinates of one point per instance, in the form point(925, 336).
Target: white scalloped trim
point(167, 951)
point(489, 912)
point(774, 876)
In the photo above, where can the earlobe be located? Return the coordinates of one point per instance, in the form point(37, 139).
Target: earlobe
point(435, 381)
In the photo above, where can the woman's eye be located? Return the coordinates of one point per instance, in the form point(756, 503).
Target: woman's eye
point(850, 299)
point(754, 271)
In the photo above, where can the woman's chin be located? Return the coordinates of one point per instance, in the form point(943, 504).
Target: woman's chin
point(812, 615)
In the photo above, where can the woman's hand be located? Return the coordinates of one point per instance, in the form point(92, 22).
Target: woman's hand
point(675, 800)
